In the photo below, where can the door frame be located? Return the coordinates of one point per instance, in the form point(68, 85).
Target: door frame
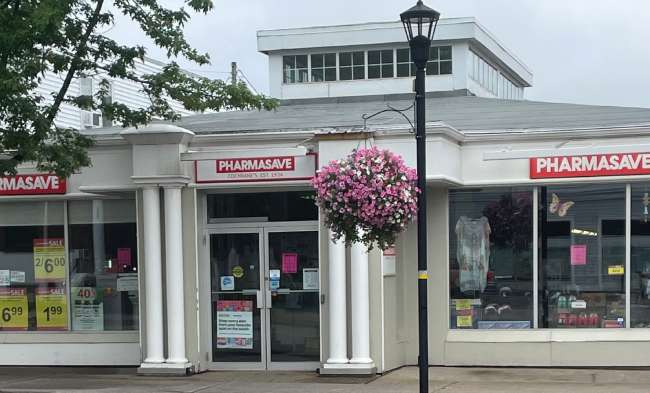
point(205, 292)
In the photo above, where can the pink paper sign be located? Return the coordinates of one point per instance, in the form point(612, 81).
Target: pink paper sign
point(578, 254)
point(124, 256)
point(289, 262)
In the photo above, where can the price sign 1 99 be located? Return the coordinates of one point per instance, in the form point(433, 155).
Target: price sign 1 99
point(51, 309)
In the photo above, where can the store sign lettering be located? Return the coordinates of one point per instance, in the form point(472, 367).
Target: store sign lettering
point(619, 164)
point(237, 165)
point(256, 169)
point(32, 185)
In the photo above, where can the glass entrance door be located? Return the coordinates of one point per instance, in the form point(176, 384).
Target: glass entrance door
point(265, 297)
point(294, 330)
point(237, 304)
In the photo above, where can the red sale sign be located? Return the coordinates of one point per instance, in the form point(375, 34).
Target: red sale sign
point(617, 164)
point(32, 185)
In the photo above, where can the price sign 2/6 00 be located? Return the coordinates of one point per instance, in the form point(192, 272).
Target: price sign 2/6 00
point(49, 259)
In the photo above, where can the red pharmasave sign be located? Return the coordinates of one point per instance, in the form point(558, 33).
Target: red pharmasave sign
point(256, 164)
point(32, 185)
point(256, 169)
point(617, 164)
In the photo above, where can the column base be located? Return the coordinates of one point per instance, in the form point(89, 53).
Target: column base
point(166, 369)
point(366, 361)
point(348, 369)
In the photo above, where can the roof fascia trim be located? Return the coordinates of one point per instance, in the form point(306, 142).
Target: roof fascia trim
point(555, 133)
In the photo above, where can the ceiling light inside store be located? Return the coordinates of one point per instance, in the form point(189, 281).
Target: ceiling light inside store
point(583, 232)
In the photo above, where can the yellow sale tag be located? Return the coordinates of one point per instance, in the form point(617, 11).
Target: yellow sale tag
point(14, 311)
point(463, 304)
point(49, 259)
point(616, 270)
point(464, 321)
point(51, 309)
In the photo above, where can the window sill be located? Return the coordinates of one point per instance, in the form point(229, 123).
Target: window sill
point(547, 335)
point(69, 337)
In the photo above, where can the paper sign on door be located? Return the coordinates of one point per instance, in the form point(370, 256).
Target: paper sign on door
point(578, 254)
point(289, 262)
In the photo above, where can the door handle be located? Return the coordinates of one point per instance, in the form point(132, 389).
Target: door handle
point(269, 299)
point(258, 295)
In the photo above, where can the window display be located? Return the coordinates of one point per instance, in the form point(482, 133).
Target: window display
point(32, 267)
point(491, 258)
point(582, 256)
point(103, 265)
point(101, 292)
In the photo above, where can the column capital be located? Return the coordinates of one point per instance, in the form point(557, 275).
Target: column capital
point(165, 181)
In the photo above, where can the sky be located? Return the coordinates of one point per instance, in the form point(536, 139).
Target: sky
point(580, 51)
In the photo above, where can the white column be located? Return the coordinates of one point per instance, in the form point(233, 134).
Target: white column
point(174, 276)
point(338, 339)
point(153, 276)
point(360, 303)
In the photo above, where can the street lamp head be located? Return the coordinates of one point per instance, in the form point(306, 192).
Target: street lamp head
point(420, 24)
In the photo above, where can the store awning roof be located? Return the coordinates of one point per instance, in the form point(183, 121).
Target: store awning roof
point(467, 114)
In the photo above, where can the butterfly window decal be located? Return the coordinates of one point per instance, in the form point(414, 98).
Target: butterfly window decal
point(558, 207)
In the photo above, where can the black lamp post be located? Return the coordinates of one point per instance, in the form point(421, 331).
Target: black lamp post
point(420, 24)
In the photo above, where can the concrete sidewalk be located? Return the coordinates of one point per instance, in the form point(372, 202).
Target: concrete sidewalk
point(448, 380)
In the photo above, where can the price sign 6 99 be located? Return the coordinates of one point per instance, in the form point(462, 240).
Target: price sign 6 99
point(13, 309)
point(49, 259)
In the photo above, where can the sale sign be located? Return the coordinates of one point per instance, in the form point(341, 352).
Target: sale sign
point(49, 259)
point(618, 164)
point(51, 309)
point(35, 184)
point(14, 312)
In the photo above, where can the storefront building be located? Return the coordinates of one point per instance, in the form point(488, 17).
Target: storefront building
point(197, 246)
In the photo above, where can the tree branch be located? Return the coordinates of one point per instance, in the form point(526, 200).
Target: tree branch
point(81, 50)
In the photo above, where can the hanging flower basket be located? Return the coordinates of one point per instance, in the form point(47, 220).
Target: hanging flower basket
point(368, 197)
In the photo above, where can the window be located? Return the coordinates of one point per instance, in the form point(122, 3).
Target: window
point(640, 257)
point(295, 69)
point(269, 206)
point(323, 67)
point(380, 64)
point(33, 294)
point(491, 258)
point(352, 65)
point(439, 60)
point(489, 77)
point(101, 290)
point(582, 256)
point(405, 66)
point(103, 265)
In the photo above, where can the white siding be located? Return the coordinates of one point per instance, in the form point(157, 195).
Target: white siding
point(123, 91)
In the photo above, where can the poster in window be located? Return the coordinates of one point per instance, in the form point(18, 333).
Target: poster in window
point(87, 311)
point(14, 312)
point(578, 254)
point(49, 259)
point(234, 324)
point(51, 309)
point(289, 262)
point(310, 278)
